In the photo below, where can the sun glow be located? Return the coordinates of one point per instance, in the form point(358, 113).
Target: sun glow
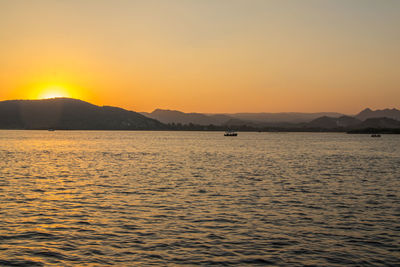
point(58, 89)
point(53, 92)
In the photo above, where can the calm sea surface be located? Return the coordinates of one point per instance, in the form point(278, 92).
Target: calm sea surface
point(198, 198)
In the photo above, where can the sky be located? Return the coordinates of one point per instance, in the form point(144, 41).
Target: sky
point(212, 56)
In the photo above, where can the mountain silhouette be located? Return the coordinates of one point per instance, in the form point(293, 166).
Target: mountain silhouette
point(174, 116)
point(74, 114)
point(351, 123)
point(380, 123)
point(283, 117)
point(70, 114)
point(326, 122)
point(383, 113)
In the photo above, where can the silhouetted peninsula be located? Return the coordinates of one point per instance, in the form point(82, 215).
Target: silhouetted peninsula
point(71, 114)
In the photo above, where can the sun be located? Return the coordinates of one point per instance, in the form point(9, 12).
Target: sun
point(58, 89)
point(53, 92)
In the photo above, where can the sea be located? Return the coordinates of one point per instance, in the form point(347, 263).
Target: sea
point(160, 198)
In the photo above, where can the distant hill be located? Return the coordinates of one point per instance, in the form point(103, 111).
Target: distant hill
point(72, 114)
point(290, 117)
point(282, 121)
point(351, 123)
point(377, 125)
point(382, 123)
point(383, 113)
point(331, 122)
point(174, 116)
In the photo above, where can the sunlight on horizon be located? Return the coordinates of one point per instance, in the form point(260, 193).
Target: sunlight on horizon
point(53, 91)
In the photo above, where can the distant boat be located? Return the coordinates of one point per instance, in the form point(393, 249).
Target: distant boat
point(375, 135)
point(230, 133)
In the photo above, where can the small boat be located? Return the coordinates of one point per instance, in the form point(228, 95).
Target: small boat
point(230, 133)
point(375, 135)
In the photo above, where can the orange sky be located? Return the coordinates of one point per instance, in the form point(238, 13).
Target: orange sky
point(204, 56)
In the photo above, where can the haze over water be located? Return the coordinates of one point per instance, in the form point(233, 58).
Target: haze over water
point(198, 198)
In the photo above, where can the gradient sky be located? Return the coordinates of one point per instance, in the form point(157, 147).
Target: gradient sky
point(204, 55)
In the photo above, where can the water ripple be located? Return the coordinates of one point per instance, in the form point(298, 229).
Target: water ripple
point(197, 198)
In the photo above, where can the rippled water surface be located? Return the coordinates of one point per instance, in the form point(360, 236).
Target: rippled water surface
point(198, 198)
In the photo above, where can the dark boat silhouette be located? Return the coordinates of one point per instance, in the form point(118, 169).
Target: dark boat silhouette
point(230, 133)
